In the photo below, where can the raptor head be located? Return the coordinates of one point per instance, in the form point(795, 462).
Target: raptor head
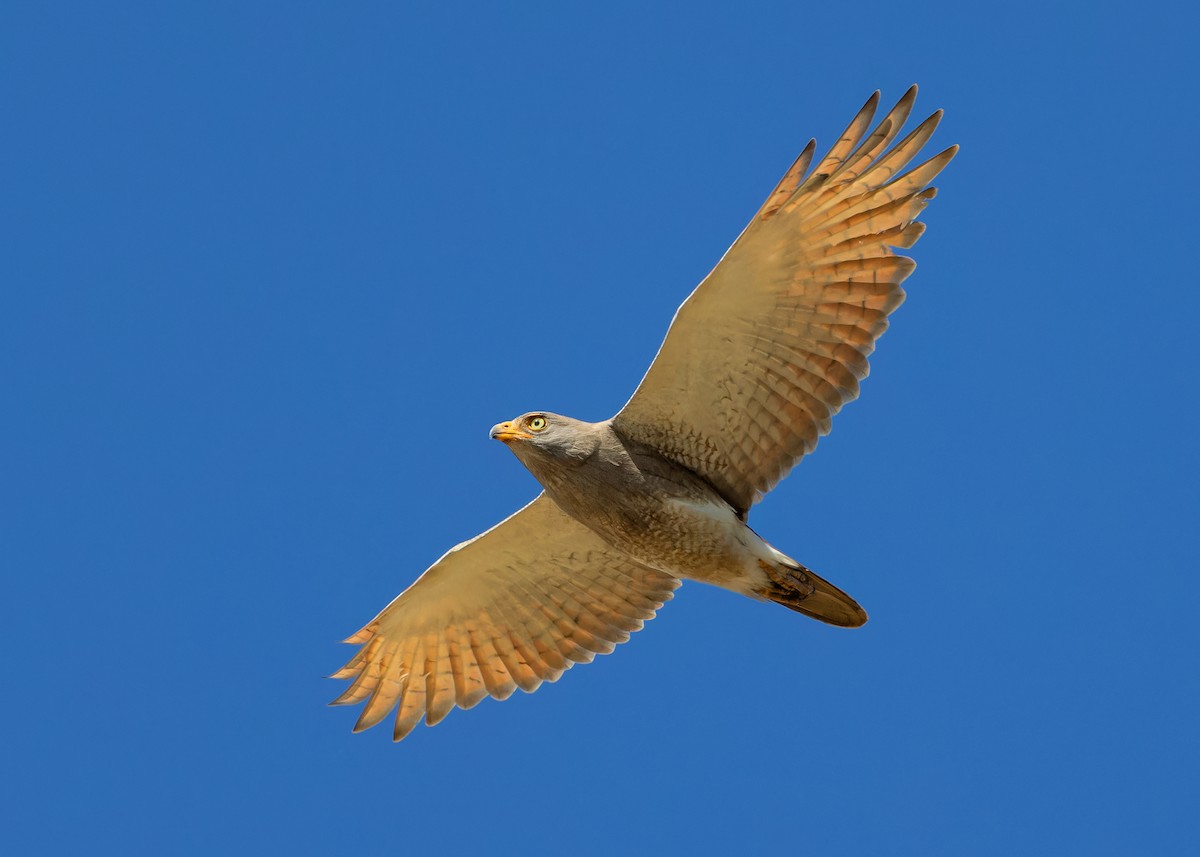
point(543, 436)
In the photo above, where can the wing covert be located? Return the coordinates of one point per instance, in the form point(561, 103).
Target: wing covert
point(511, 608)
point(775, 340)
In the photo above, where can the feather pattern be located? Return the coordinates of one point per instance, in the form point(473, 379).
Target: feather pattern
point(775, 340)
point(512, 608)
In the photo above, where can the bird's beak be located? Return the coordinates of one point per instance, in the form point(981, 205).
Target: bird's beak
point(507, 431)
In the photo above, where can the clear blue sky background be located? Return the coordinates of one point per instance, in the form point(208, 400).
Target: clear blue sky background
point(270, 271)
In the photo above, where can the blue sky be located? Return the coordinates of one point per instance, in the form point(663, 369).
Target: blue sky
point(272, 270)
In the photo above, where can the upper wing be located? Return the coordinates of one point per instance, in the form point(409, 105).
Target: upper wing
point(775, 340)
point(511, 608)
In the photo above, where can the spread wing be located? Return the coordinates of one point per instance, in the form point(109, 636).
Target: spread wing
point(513, 607)
point(775, 340)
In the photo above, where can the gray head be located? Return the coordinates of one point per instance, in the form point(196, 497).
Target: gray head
point(541, 439)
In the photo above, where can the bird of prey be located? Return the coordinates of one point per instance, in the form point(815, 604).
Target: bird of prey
point(756, 362)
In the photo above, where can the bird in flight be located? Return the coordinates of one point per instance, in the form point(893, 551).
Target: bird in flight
point(755, 364)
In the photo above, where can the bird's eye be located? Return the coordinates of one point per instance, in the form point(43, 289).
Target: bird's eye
point(537, 423)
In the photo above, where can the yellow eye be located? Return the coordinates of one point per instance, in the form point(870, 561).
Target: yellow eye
point(537, 423)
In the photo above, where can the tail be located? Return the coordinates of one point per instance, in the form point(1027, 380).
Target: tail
point(798, 588)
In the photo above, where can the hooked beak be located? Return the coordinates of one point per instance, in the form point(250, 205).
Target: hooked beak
point(507, 431)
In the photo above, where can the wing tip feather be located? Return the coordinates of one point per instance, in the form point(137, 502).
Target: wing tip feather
point(363, 635)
